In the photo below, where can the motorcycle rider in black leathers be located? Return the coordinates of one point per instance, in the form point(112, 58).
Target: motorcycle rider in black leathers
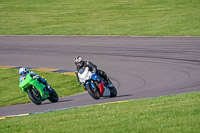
point(93, 68)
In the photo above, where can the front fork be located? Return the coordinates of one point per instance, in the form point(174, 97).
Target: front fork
point(101, 86)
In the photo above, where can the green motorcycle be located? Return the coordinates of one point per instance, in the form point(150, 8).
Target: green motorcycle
point(37, 91)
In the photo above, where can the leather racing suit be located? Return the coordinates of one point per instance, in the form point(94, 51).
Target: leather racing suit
point(92, 68)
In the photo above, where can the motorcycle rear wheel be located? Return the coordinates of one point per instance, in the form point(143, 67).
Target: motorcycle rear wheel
point(34, 96)
point(113, 92)
point(53, 96)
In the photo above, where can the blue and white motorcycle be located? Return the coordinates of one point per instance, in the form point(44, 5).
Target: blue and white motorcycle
point(95, 85)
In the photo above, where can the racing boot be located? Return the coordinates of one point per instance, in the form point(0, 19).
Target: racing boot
point(48, 87)
point(110, 85)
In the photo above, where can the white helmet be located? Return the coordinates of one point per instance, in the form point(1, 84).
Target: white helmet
point(78, 60)
point(22, 70)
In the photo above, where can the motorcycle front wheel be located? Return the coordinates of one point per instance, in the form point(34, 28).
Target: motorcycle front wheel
point(34, 95)
point(94, 92)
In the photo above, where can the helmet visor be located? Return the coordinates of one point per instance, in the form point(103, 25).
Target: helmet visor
point(79, 63)
point(23, 74)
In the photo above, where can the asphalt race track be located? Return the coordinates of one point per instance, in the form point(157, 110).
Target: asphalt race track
point(140, 67)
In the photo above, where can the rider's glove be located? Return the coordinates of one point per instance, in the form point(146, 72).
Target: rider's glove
point(34, 77)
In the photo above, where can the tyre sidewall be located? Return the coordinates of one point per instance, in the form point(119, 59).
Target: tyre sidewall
point(113, 92)
point(32, 98)
point(91, 92)
point(53, 96)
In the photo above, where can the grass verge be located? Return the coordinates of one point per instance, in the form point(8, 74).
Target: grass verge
point(64, 85)
point(105, 17)
point(178, 114)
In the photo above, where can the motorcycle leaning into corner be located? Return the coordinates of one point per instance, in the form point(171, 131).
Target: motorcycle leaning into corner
point(37, 91)
point(95, 85)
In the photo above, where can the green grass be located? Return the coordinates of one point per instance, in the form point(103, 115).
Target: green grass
point(64, 85)
point(100, 17)
point(177, 114)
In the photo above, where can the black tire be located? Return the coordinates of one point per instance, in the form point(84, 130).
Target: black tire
point(93, 93)
point(53, 96)
point(34, 96)
point(113, 92)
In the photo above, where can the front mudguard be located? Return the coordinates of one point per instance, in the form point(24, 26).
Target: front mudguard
point(88, 84)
